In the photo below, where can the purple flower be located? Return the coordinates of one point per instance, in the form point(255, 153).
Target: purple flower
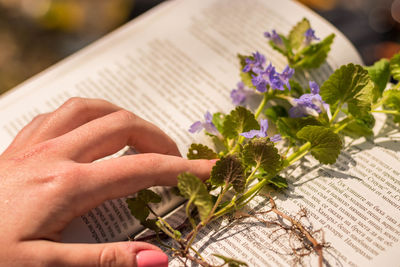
point(240, 94)
point(310, 36)
point(286, 74)
point(308, 104)
point(260, 82)
point(274, 37)
point(272, 78)
point(262, 132)
point(208, 125)
point(314, 87)
point(263, 78)
point(276, 82)
point(276, 138)
point(256, 64)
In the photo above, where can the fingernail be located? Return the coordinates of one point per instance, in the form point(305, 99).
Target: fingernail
point(151, 258)
point(213, 160)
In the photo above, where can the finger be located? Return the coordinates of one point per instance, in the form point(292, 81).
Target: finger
point(134, 254)
point(120, 177)
point(109, 134)
point(25, 134)
point(70, 115)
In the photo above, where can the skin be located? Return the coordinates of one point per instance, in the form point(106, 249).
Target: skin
point(48, 176)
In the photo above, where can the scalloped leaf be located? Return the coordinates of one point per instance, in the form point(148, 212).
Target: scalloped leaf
point(380, 75)
point(238, 121)
point(149, 196)
point(279, 182)
point(314, 55)
point(138, 205)
point(196, 192)
point(325, 144)
point(275, 112)
point(296, 35)
point(138, 208)
point(349, 84)
point(285, 49)
point(290, 126)
point(360, 127)
point(395, 66)
point(199, 151)
point(262, 152)
point(229, 169)
point(391, 100)
point(218, 120)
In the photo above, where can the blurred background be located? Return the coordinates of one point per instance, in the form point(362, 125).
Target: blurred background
point(35, 34)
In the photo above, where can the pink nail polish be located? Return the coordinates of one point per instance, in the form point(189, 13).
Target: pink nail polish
point(151, 258)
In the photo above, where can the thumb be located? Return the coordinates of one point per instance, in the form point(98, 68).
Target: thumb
point(132, 254)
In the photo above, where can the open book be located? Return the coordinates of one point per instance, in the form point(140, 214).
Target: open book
point(177, 61)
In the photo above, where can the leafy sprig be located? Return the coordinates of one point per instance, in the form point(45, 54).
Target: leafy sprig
point(300, 46)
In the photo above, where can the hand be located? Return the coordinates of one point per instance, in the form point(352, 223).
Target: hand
point(48, 177)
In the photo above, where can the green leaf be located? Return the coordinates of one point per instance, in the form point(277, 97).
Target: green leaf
point(285, 49)
point(138, 205)
point(230, 261)
point(229, 169)
point(138, 208)
point(245, 76)
point(380, 75)
point(275, 112)
point(238, 121)
point(218, 120)
point(360, 127)
point(314, 55)
point(296, 89)
point(395, 66)
point(196, 192)
point(199, 151)
point(325, 144)
point(290, 126)
point(148, 196)
point(279, 182)
point(349, 84)
point(296, 35)
point(262, 152)
point(391, 100)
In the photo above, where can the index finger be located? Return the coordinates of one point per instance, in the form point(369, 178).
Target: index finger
point(123, 176)
point(106, 135)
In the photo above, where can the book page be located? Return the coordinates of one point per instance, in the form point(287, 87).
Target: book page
point(169, 67)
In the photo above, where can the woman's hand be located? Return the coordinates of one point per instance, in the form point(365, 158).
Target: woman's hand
point(48, 177)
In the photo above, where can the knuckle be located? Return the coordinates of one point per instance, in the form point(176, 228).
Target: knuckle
point(39, 117)
point(67, 176)
point(77, 103)
point(124, 116)
point(71, 174)
point(108, 257)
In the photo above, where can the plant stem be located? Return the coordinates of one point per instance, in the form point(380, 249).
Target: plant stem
point(394, 112)
point(219, 199)
point(192, 235)
point(248, 180)
point(187, 211)
point(261, 105)
point(243, 198)
point(336, 113)
point(301, 152)
point(342, 124)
